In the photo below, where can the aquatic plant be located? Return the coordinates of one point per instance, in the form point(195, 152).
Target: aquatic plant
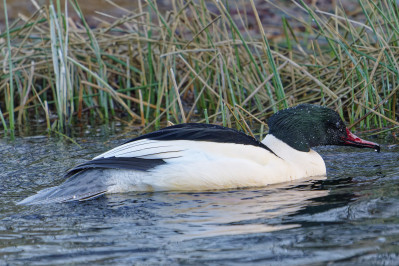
point(195, 63)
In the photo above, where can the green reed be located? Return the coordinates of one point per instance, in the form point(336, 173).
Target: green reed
point(189, 64)
point(9, 88)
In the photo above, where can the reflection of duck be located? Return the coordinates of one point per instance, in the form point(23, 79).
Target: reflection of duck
point(201, 157)
point(207, 214)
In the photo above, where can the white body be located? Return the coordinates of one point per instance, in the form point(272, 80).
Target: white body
point(201, 165)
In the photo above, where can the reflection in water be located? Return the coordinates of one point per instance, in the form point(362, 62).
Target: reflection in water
point(234, 212)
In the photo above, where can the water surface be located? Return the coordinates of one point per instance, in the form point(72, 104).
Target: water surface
point(349, 218)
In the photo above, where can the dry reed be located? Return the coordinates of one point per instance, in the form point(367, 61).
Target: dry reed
point(193, 64)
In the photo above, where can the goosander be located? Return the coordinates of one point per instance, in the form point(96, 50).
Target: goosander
point(193, 157)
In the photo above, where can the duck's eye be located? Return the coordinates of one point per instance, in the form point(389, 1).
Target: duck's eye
point(340, 126)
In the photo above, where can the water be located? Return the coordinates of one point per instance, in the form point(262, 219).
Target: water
point(350, 218)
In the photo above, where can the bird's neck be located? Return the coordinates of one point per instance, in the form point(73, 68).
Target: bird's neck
point(310, 162)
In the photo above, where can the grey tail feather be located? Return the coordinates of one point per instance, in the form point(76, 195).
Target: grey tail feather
point(84, 185)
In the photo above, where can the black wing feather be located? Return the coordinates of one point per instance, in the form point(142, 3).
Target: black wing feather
point(202, 132)
point(188, 131)
point(130, 163)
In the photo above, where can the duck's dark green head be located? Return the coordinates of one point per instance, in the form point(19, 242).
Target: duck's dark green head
point(306, 125)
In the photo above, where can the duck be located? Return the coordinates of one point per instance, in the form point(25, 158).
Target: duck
point(201, 157)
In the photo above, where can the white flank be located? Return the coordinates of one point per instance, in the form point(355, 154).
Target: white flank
point(201, 165)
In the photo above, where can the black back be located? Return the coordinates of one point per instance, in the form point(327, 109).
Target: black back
point(202, 132)
point(189, 131)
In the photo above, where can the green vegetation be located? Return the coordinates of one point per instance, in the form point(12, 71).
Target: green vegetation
point(190, 64)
